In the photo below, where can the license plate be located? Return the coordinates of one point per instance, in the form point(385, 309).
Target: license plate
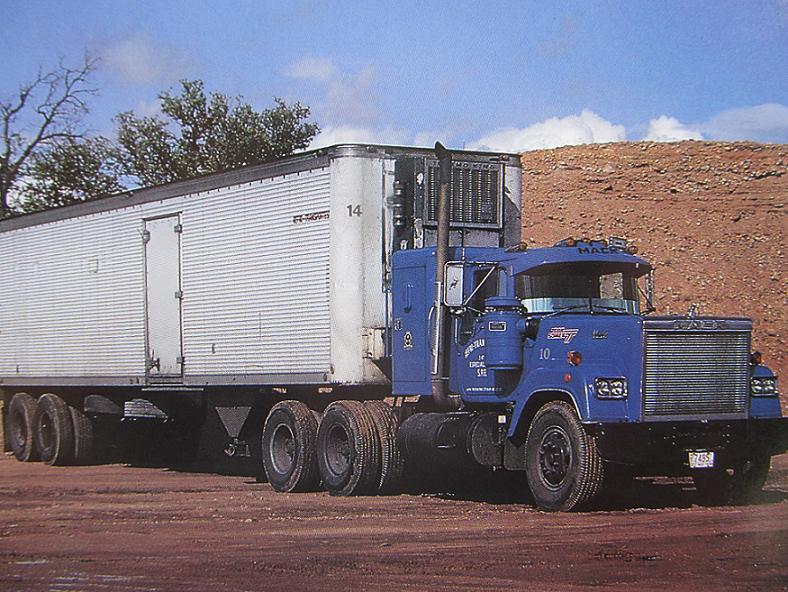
point(701, 460)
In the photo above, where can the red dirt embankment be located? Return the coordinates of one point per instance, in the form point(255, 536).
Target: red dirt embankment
point(710, 215)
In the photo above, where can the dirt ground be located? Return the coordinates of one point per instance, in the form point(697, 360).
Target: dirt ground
point(116, 527)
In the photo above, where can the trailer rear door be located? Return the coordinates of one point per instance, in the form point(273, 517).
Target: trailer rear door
point(163, 298)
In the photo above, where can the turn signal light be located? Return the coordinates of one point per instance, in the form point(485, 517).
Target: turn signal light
point(574, 358)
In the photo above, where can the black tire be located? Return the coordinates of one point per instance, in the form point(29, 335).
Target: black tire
point(740, 485)
point(563, 467)
point(392, 462)
point(288, 445)
point(54, 432)
point(714, 486)
point(348, 451)
point(750, 479)
point(21, 411)
point(83, 437)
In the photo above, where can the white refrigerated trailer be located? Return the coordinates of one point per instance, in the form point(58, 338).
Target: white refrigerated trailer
point(225, 293)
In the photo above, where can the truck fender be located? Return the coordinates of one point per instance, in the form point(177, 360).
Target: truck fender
point(526, 408)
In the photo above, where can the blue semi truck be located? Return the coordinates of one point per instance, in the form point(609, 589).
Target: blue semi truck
point(558, 371)
point(339, 317)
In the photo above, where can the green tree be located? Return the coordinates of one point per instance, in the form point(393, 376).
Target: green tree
point(198, 134)
point(70, 171)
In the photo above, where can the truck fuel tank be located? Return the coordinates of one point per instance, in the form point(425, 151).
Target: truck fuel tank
point(430, 440)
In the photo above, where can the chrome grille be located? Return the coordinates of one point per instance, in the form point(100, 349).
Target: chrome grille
point(692, 373)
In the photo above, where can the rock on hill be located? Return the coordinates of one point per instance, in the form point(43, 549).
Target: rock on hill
point(710, 215)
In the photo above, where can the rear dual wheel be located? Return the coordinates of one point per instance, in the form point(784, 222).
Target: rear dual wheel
point(392, 463)
point(54, 430)
point(49, 430)
point(348, 450)
point(21, 410)
point(83, 437)
point(352, 448)
point(288, 443)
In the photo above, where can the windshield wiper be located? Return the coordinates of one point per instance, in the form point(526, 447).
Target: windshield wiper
point(595, 307)
point(558, 311)
point(592, 308)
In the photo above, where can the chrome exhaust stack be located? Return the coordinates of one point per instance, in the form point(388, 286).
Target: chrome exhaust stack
point(440, 396)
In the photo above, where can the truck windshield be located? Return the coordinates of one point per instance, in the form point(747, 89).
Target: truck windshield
point(584, 287)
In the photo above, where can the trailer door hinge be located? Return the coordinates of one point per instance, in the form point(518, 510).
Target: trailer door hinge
point(178, 228)
point(145, 236)
point(180, 360)
point(179, 294)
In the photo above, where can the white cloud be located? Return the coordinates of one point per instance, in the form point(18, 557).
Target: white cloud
point(348, 99)
point(349, 134)
point(586, 128)
point(312, 68)
point(351, 99)
point(763, 123)
point(670, 129)
point(137, 59)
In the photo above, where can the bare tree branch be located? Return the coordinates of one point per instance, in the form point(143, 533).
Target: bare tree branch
point(47, 110)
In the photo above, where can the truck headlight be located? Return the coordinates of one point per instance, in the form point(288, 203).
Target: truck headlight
point(610, 388)
point(763, 386)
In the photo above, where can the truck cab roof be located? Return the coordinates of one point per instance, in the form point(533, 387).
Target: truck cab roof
point(520, 261)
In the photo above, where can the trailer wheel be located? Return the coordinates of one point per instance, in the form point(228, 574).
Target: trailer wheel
point(21, 411)
point(391, 461)
point(288, 444)
point(83, 436)
point(348, 452)
point(54, 432)
point(563, 468)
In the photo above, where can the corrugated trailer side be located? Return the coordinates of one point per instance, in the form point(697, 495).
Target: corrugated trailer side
point(254, 296)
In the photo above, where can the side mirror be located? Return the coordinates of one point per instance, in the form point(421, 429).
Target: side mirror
point(452, 289)
point(649, 293)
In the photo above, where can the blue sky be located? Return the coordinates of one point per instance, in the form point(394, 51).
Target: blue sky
point(499, 75)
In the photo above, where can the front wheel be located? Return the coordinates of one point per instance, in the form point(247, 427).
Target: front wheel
point(563, 468)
